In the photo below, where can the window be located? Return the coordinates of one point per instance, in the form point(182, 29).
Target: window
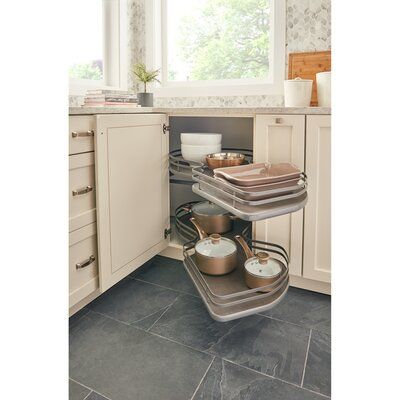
point(97, 51)
point(217, 47)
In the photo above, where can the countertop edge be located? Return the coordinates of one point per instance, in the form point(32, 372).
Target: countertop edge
point(202, 111)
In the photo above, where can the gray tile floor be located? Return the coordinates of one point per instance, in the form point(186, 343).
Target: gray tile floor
point(150, 337)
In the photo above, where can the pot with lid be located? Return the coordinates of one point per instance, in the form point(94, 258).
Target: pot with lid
point(212, 218)
point(215, 255)
point(260, 269)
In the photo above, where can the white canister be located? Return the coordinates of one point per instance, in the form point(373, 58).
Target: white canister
point(298, 92)
point(324, 89)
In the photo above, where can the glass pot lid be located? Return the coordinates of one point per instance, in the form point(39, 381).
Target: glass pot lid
point(263, 266)
point(207, 208)
point(215, 246)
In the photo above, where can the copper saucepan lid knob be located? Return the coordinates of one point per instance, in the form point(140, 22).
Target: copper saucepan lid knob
point(262, 257)
point(215, 238)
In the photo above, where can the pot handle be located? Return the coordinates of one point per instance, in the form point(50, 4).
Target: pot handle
point(246, 248)
point(200, 230)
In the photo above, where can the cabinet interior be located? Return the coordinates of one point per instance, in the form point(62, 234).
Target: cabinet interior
point(237, 133)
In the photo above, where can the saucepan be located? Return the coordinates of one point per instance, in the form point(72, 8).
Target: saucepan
point(215, 255)
point(212, 218)
point(260, 269)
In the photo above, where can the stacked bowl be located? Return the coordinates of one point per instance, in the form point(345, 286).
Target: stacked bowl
point(196, 146)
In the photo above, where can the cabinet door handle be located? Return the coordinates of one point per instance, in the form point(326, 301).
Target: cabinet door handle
point(85, 263)
point(278, 120)
point(82, 134)
point(85, 190)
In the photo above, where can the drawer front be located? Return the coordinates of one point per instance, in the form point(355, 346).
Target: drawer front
point(82, 198)
point(83, 267)
point(81, 134)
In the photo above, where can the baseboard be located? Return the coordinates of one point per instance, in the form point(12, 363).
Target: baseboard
point(309, 284)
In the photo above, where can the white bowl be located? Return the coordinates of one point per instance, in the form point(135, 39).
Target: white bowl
point(198, 153)
point(201, 138)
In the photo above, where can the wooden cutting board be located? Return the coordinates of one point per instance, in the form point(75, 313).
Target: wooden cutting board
point(306, 65)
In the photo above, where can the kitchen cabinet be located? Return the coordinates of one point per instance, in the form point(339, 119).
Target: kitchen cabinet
point(317, 213)
point(83, 265)
point(82, 202)
point(123, 220)
point(132, 192)
point(83, 261)
point(81, 132)
point(281, 138)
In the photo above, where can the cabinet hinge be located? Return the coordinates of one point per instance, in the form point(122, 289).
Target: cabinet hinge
point(166, 128)
point(167, 232)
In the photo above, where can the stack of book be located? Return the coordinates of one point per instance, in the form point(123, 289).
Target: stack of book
point(108, 98)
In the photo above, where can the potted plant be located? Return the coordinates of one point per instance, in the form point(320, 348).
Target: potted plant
point(142, 75)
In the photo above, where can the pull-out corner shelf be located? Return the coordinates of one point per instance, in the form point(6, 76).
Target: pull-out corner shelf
point(227, 297)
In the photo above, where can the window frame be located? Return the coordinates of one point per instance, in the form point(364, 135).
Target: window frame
point(114, 50)
point(156, 57)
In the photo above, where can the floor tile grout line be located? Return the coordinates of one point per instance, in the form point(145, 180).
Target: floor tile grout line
point(174, 341)
point(306, 359)
point(274, 377)
point(80, 383)
point(88, 395)
point(87, 387)
point(166, 309)
point(164, 287)
point(112, 318)
point(202, 379)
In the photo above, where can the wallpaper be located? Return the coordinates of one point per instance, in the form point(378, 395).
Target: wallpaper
point(308, 28)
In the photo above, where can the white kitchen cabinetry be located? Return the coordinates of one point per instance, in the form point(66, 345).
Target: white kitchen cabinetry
point(121, 218)
point(280, 138)
point(83, 262)
point(317, 217)
point(132, 192)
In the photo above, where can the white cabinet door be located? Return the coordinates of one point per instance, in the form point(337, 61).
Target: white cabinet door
point(317, 217)
point(280, 138)
point(131, 158)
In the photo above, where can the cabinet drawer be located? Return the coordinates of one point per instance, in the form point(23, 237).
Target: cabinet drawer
point(82, 199)
point(81, 131)
point(83, 269)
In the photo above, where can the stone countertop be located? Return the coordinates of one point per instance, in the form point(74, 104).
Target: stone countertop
point(202, 111)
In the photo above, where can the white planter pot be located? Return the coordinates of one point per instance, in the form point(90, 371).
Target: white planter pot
point(298, 92)
point(324, 89)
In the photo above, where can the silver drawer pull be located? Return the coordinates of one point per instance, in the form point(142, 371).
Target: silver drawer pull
point(82, 134)
point(278, 120)
point(85, 190)
point(85, 263)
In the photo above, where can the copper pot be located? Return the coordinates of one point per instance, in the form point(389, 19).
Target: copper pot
point(215, 255)
point(260, 269)
point(220, 160)
point(212, 218)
